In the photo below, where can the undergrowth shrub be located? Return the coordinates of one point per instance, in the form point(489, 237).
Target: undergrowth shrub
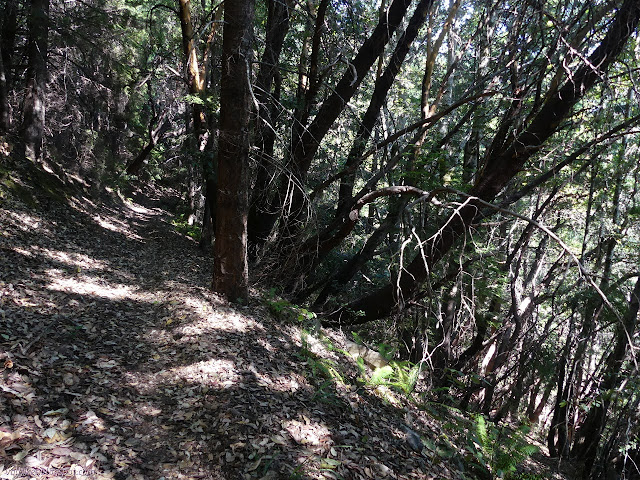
point(399, 375)
point(286, 311)
point(181, 224)
point(499, 449)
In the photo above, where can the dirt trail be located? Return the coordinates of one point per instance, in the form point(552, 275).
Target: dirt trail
point(118, 362)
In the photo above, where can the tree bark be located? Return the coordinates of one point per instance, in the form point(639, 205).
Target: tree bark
point(379, 96)
point(5, 119)
point(536, 410)
point(499, 169)
point(230, 277)
point(268, 73)
point(35, 101)
point(7, 43)
point(556, 436)
point(345, 273)
point(588, 435)
point(195, 77)
point(155, 134)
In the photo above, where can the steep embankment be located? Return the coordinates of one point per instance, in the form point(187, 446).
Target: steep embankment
point(118, 362)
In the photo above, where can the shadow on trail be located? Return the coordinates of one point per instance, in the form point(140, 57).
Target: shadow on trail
point(119, 360)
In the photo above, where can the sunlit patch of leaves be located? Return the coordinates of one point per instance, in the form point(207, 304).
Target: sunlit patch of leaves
point(181, 224)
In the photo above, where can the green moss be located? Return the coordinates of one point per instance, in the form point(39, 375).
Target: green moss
point(10, 188)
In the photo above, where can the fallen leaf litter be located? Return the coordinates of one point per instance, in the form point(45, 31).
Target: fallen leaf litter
point(117, 362)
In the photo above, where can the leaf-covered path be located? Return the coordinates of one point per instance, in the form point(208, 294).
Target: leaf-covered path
point(118, 362)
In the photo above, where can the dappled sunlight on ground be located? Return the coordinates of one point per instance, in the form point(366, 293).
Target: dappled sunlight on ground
point(23, 251)
point(79, 261)
point(117, 227)
point(91, 286)
point(213, 373)
point(307, 432)
point(120, 360)
point(24, 221)
point(197, 304)
point(134, 207)
point(224, 320)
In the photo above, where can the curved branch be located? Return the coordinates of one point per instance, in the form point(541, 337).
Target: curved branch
point(430, 196)
point(581, 268)
point(352, 218)
point(161, 5)
point(423, 125)
point(503, 166)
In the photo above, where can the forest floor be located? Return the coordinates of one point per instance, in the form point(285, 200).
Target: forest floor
point(117, 361)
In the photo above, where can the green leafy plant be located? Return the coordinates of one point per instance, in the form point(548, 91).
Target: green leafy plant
point(324, 372)
point(499, 449)
point(181, 224)
point(524, 476)
point(401, 376)
point(326, 393)
point(285, 310)
point(321, 367)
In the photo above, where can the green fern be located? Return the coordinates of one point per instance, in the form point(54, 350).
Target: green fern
point(499, 449)
point(380, 376)
point(402, 376)
point(483, 434)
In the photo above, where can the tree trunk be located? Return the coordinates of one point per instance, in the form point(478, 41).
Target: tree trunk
point(196, 75)
point(338, 279)
point(588, 435)
point(379, 96)
point(209, 219)
point(136, 164)
point(34, 101)
point(499, 169)
point(305, 146)
point(7, 43)
point(210, 158)
point(265, 136)
point(556, 436)
point(155, 134)
point(230, 277)
point(534, 414)
point(5, 119)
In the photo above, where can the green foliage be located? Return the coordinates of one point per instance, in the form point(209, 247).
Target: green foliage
point(634, 211)
point(381, 375)
point(285, 310)
point(9, 187)
point(324, 372)
point(209, 102)
point(524, 476)
point(326, 393)
point(478, 448)
point(386, 351)
point(629, 448)
point(321, 367)
point(181, 223)
point(499, 449)
point(401, 376)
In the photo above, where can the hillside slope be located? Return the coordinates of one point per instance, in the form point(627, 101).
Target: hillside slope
point(117, 361)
